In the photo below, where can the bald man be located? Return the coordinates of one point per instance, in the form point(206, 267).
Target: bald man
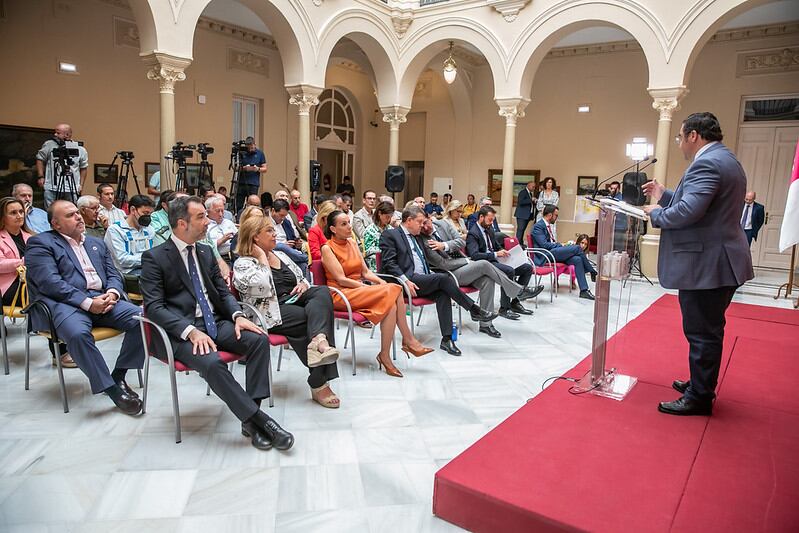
point(46, 171)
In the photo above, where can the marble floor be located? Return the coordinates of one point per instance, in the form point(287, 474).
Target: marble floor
point(367, 467)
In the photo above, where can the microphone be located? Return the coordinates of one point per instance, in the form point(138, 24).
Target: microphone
point(593, 196)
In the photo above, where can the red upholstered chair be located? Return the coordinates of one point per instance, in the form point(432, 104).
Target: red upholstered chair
point(551, 267)
point(150, 329)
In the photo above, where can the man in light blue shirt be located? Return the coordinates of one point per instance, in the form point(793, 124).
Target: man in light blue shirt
point(128, 239)
point(36, 218)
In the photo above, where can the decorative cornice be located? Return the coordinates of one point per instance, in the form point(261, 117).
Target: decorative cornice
point(401, 18)
point(667, 100)
point(768, 61)
point(237, 32)
point(247, 61)
point(167, 70)
point(509, 9)
point(512, 109)
point(317, 3)
point(304, 97)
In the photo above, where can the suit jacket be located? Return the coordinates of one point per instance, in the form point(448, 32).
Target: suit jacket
point(396, 254)
point(169, 294)
point(758, 218)
point(702, 245)
point(542, 239)
point(525, 208)
point(440, 260)
point(472, 220)
point(476, 247)
point(55, 275)
point(9, 259)
point(449, 235)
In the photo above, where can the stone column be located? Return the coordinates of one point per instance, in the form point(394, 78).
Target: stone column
point(665, 102)
point(512, 109)
point(394, 116)
point(166, 70)
point(304, 97)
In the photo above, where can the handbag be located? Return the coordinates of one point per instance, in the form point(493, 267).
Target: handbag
point(21, 294)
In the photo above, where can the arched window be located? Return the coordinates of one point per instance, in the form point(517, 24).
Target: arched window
point(334, 116)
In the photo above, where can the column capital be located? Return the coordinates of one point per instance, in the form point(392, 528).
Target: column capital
point(166, 69)
point(395, 115)
point(667, 100)
point(304, 97)
point(512, 108)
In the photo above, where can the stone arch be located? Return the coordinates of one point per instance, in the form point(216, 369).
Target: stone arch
point(374, 37)
point(551, 26)
point(430, 40)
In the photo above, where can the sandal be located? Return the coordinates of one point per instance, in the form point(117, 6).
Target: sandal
point(331, 401)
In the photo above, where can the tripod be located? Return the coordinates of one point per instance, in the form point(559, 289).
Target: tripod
point(180, 176)
point(205, 174)
point(235, 166)
point(64, 178)
point(121, 194)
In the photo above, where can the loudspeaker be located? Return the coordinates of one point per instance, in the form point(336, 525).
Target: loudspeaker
point(395, 178)
point(631, 188)
point(316, 175)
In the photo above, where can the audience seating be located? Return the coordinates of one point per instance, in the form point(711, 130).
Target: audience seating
point(551, 268)
point(415, 301)
point(13, 313)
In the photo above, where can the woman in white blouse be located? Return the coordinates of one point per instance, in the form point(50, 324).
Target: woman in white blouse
point(270, 281)
point(549, 196)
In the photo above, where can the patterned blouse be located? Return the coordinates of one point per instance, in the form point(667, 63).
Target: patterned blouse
point(371, 246)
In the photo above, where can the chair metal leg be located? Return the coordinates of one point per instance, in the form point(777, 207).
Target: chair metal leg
point(352, 338)
point(271, 390)
point(175, 407)
point(3, 332)
point(146, 381)
point(61, 376)
point(413, 325)
point(460, 319)
point(27, 360)
point(419, 319)
point(347, 336)
point(372, 334)
point(138, 372)
point(279, 357)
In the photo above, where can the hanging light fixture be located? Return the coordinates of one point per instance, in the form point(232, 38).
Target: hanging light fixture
point(450, 67)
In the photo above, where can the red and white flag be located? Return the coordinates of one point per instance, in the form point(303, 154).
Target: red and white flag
point(789, 234)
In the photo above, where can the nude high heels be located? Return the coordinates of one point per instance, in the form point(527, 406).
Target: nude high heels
point(391, 370)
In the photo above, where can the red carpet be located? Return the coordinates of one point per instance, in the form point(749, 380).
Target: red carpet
point(584, 463)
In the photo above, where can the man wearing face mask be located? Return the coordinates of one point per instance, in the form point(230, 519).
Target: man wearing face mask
point(128, 239)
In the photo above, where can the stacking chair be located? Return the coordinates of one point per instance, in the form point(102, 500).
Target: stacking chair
point(13, 312)
point(415, 301)
point(550, 268)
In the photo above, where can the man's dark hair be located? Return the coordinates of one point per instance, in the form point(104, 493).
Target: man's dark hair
point(164, 198)
point(432, 194)
point(616, 183)
point(140, 200)
point(447, 195)
point(249, 140)
point(346, 178)
point(103, 186)
point(382, 208)
point(320, 198)
point(705, 124)
point(549, 209)
point(280, 205)
point(179, 209)
point(486, 209)
point(412, 212)
point(367, 191)
point(331, 222)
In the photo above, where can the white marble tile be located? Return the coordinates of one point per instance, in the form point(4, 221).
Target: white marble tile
point(318, 488)
point(403, 444)
point(150, 525)
point(83, 455)
point(406, 519)
point(342, 521)
point(52, 498)
point(387, 484)
point(148, 494)
point(235, 491)
point(229, 523)
point(445, 442)
point(18, 457)
point(320, 448)
point(442, 413)
point(160, 452)
point(232, 450)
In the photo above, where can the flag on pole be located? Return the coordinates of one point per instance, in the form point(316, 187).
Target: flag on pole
point(789, 233)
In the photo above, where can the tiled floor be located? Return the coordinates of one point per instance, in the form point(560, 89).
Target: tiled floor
point(368, 466)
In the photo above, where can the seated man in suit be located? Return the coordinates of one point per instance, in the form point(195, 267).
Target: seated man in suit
point(472, 219)
point(185, 294)
point(75, 276)
point(402, 256)
point(479, 274)
point(482, 243)
point(544, 237)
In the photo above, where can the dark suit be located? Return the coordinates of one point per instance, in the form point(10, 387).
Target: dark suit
point(477, 248)
point(170, 301)
point(704, 254)
point(571, 255)
point(397, 259)
point(758, 217)
point(471, 220)
point(525, 212)
point(55, 276)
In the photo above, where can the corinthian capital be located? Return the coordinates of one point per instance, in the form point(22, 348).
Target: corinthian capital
point(395, 115)
point(512, 108)
point(166, 70)
point(667, 101)
point(304, 97)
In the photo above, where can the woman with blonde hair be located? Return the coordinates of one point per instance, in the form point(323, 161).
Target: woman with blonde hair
point(452, 225)
point(379, 302)
point(270, 281)
point(316, 236)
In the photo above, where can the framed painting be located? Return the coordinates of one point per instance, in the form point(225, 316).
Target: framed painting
point(149, 170)
point(520, 180)
point(586, 185)
point(18, 148)
point(106, 174)
point(193, 175)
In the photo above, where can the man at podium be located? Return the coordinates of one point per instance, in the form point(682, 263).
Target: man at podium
point(703, 252)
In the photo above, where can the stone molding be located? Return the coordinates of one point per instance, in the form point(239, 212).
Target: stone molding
point(304, 97)
point(401, 19)
point(167, 70)
point(509, 9)
point(247, 61)
point(767, 61)
point(667, 100)
point(512, 109)
point(395, 115)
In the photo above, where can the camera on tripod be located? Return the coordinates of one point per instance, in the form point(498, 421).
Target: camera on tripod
point(204, 149)
point(125, 155)
point(65, 149)
point(183, 151)
point(239, 146)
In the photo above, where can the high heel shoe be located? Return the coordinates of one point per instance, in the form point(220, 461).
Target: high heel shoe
point(391, 370)
point(331, 401)
point(424, 350)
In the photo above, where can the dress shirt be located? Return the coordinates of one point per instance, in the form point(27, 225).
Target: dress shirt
point(489, 244)
point(37, 220)
point(746, 217)
point(280, 231)
point(418, 265)
point(113, 214)
point(93, 281)
point(553, 233)
point(216, 230)
point(704, 149)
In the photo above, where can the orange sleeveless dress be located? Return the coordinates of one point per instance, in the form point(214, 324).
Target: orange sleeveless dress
point(373, 301)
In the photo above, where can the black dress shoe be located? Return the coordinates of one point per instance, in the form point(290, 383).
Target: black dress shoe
point(126, 388)
point(256, 436)
point(528, 293)
point(510, 315)
point(126, 403)
point(481, 315)
point(491, 331)
point(517, 307)
point(279, 437)
point(680, 386)
point(448, 345)
point(686, 407)
point(587, 295)
point(593, 277)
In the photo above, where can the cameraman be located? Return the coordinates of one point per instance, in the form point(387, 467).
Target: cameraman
point(45, 167)
point(253, 164)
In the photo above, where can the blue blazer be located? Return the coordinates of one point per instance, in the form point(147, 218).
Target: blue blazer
point(476, 248)
point(55, 275)
point(525, 205)
point(702, 245)
point(541, 239)
point(758, 218)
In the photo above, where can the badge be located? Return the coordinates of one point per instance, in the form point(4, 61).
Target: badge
point(94, 248)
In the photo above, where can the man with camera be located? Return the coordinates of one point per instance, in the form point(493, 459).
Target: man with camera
point(61, 166)
point(253, 164)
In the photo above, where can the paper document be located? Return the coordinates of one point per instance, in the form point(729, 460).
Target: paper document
point(624, 207)
point(517, 257)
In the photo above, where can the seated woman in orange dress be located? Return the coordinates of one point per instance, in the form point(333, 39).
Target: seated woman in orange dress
point(379, 302)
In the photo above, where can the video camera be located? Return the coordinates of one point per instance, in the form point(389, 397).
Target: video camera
point(239, 146)
point(66, 149)
point(183, 151)
point(126, 155)
point(205, 148)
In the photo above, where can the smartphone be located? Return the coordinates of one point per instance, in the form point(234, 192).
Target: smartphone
point(292, 299)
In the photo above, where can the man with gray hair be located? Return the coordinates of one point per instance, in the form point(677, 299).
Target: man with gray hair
point(89, 207)
point(35, 217)
point(485, 200)
point(220, 229)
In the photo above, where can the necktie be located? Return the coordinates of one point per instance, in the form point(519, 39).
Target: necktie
point(419, 254)
point(746, 215)
point(437, 237)
point(208, 316)
point(489, 245)
point(551, 235)
point(290, 236)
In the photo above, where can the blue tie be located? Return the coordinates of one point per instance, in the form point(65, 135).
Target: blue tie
point(419, 254)
point(208, 316)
